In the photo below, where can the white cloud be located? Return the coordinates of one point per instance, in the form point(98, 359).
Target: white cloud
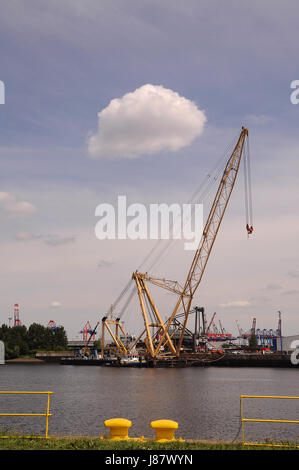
point(149, 120)
point(12, 205)
point(5, 198)
point(21, 207)
point(273, 286)
point(259, 119)
point(294, 273)
point(291, 292)
point(105, 264)
point(25, 236)
point(235, 303)
point(55, 240)
point(52, 240)
point(56, 304)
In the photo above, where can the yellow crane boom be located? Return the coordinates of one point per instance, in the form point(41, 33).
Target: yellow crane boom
point(199, 262)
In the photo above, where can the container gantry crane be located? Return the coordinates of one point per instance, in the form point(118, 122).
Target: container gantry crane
point(197, 268)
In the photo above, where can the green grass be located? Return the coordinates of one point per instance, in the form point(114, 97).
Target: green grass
point(16, 442)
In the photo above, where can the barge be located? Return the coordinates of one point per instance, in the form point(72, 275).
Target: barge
point(193, 360)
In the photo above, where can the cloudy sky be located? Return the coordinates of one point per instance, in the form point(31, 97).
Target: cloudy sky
point(141, 98)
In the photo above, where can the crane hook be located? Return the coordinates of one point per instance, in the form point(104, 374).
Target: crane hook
point(249, 229)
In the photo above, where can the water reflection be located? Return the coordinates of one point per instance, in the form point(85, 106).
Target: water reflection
point(205, 401)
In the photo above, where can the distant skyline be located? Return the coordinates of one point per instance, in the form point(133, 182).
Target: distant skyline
point(64, 150)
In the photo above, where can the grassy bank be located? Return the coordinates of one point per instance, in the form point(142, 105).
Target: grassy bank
point(82, 443)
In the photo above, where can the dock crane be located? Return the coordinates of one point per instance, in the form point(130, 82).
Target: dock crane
point(197, 268)
point(221, 328)
point(211, 322)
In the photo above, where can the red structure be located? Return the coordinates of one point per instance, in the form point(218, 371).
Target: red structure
point(253, 328)
point(17, 321)
point(87, 330)
point(52, 325)
point(219, 336)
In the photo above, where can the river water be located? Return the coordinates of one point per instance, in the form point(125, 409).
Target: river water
point(204, 401)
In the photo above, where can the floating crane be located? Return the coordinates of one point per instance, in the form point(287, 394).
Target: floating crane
point(186, 292)
point(109, 323)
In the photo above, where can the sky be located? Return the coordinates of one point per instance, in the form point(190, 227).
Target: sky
point(141, 98)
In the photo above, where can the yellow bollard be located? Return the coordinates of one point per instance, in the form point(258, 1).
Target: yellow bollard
point(119, 428)
point(164, 429)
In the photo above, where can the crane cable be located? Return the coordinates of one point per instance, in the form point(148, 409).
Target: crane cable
point(128, 301)
point(160, 255)
point(207, 181)
point(249, 186)
point(248, 190)
point(157, 261)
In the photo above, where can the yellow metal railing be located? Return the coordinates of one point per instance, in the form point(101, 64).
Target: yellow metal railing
point(46, 415)
point(244, 420)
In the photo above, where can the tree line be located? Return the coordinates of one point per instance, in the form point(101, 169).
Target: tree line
point(21, 341)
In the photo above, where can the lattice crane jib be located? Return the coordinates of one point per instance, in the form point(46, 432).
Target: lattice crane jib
point(198, 264)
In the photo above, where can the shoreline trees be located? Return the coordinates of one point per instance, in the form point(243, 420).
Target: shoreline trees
point(20, 341)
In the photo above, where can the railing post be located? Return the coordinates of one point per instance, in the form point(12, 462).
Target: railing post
point(47, 417)
point(47, 414)
point(258, 420)
point(241, 406)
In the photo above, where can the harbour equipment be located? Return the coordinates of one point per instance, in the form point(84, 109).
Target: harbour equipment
point(87, 330)
point(253, 326)
point(199, 329)
point(17, 321)
point(211, 322)
point(217, 335)
point(117, 345)
point(52, 325)
point(278, 331)
point(248, 191)
point(119, 340)
point(266, 338)
point(156, 334)
point(220, 337)
point(186, 292)
point(239, 330)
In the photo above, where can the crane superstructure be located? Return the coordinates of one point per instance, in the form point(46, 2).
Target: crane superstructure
point(151, 315)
